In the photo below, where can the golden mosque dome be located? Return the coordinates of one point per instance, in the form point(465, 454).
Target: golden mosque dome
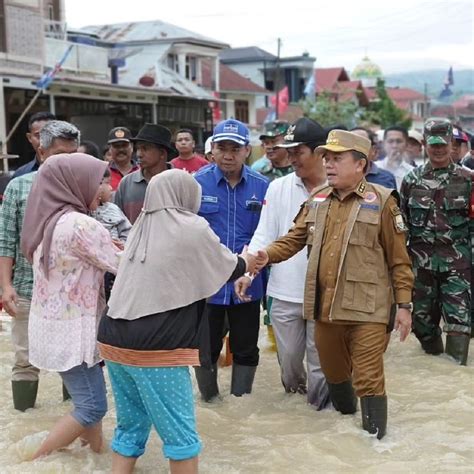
point(367, 70)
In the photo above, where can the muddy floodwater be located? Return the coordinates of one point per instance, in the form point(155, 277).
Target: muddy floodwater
point(430, 427)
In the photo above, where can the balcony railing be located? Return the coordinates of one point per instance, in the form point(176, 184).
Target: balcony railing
point(82, 60)
point(55, 29)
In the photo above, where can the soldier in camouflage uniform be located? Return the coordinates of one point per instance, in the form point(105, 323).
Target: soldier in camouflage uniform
point(435, 201)
point(275, 163)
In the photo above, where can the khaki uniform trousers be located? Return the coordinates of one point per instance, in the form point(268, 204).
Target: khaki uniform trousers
point(353, 351)
point(22, 369)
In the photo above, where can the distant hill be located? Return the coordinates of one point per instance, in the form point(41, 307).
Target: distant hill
point(434, 79)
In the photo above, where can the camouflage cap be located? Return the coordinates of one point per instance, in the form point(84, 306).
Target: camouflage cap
point(274, 129)
point(438, 131)
point(341, 140)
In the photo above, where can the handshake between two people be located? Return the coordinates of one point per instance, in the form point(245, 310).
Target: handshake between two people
point(255, 262)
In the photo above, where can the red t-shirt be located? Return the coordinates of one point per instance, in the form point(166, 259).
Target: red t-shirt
point(192, 165)
point(116, 176)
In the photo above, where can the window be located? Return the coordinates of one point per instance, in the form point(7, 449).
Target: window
point(242, 110)
point(173, 62)
point(3, 39)
point(191, 68)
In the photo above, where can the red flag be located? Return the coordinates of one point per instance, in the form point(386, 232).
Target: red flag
point(216, 109)
point(283, 100)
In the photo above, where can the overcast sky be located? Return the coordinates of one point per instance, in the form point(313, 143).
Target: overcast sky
point(398, 35)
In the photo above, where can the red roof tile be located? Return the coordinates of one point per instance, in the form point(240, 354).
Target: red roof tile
point(465, 101)
point(229, 80)
point(326, 78)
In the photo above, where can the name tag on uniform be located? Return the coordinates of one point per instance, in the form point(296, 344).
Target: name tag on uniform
point(371, 207)
point(254, 206)
point(209, 199)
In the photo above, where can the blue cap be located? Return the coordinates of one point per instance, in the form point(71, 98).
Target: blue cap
point(232, 130)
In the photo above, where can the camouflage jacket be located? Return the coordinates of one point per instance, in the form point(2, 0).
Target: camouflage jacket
point(271, 173)
point(435, 204)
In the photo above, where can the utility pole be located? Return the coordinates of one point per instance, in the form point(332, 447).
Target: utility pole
point(277, 79)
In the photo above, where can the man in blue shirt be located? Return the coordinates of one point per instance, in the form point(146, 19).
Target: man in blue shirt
point(232, 199)
point(374, 173)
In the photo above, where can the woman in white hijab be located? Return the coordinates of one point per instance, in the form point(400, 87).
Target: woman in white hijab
point(155, 326)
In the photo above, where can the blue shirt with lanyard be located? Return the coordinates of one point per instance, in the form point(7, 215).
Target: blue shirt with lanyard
point(233, 214)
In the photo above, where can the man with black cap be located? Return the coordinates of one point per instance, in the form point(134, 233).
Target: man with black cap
point(357, 265)
point(154, 151)
point(275, 163)
point(121, 151)
point(294, 334)
point(435, 201)
point(232, 199)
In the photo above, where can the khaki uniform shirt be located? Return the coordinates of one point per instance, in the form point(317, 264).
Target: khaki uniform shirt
point(388, 234)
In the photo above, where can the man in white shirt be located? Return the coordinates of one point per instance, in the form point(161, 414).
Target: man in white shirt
point(395, 141)
point(294, 335)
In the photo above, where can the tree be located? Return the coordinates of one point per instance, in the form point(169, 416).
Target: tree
point(328, 111)
point(383, 111)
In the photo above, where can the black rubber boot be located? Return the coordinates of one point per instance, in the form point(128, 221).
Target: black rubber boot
point(343, 397)
point(66, 395)
point(457, 346)
point(242, 379)
point(24, 394)
point(432, 345)
point(374, 415)
point(207, 382)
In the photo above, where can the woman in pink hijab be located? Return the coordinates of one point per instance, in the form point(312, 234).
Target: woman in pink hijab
point(70, 253)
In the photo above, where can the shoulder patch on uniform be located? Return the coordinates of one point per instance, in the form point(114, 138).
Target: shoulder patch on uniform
point(398, 221)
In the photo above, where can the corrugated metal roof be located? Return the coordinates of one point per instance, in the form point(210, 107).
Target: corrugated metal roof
point(146, 61)
point(155, 30)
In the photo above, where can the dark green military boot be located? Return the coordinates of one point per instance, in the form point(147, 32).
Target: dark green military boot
point(24, 394)
point(374, 415)
point(343, 397)
point(242, 379)
point(66, 395)
point(432, 345)
point(457, 346)
point(207, 382)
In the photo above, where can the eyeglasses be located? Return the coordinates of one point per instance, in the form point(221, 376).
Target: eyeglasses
point(395, 140)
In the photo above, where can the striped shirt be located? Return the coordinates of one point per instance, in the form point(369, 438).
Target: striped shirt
point(11, 223)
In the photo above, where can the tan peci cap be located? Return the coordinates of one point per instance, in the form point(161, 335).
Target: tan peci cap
point(340, 140)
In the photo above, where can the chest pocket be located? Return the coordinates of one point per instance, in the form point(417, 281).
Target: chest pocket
point(457, 208)
point(208, 208)
point(419, 203)
point(365, 229)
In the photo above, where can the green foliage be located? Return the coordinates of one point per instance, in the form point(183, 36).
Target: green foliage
point(327, 111)
point(383, 111)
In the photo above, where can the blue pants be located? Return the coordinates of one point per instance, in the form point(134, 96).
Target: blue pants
point(86, 385)
point(158, 396)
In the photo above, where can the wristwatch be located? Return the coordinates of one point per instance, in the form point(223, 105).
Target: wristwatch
point(408, 306)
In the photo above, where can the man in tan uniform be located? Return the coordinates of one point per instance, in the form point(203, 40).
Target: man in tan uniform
point(358, 266)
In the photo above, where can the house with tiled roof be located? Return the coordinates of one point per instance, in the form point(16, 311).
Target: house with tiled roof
point(336, 82)
point(460, 111)
point(237, 96)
